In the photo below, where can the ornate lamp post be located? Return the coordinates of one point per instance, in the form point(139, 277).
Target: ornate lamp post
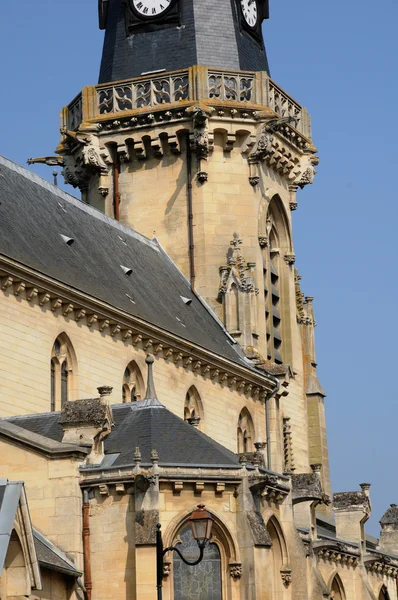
point(201, 523)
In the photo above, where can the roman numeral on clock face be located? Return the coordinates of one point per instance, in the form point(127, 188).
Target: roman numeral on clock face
point(151, 8)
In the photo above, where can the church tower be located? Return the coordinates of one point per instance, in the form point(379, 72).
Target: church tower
point(187, 138)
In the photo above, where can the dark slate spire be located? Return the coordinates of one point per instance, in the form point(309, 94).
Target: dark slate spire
point(203, 32)
point(151, 399)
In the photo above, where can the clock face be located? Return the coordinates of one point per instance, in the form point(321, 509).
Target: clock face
point(151, 8)
point(250, 12)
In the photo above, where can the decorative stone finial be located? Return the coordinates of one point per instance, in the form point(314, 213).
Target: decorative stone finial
point(316, 468)
point(150, 390)
point(154, 456)
point(389, 530)
point(137, 456)
point(105, 390)
point(365, 487)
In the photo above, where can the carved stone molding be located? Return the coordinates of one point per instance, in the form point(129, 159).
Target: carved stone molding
point(242, 272)
point(166, 568)
point(290, 258)
point(202, 176)
point(286, 575)
point(108, 323)
point(235, 571)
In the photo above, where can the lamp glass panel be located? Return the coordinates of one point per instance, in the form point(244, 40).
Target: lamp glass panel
point(199, 528)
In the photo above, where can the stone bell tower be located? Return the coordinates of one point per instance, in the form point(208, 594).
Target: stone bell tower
point(186, 137)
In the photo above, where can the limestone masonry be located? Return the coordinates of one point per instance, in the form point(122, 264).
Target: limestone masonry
point(157, 351)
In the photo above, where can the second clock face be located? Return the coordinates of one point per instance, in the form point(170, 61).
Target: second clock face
point(250, 12)
point(151, 8)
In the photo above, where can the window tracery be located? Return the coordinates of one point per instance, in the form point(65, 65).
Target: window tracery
point(202, 582)
point(193, 407)
point(245, 433)
point(62, 367)
point(133, 383)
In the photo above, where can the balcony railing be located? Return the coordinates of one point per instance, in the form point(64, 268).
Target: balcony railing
point(255, 90)
point(146, 92)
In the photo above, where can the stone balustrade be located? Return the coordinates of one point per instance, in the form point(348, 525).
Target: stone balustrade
point(256, 90)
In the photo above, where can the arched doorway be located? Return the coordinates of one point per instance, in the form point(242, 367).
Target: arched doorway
point(202, 582)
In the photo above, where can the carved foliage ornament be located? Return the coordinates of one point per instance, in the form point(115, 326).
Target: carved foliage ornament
point(235, 571)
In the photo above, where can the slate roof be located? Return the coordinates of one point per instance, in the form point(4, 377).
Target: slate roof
point(35, 214)
point(148, 425)
point(51, 557)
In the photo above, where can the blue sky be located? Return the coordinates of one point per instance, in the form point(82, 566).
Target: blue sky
point(339, 60)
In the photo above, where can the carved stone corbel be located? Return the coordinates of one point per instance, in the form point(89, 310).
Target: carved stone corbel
point(201, 139)
point(286, 575)
point(307, 171)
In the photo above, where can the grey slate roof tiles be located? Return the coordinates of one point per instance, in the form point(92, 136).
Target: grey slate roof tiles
point(51, 557)
point(34, 215)
point(150, 426)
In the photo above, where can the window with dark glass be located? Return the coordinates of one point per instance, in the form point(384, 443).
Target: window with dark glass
point(202, 582)
point(61, 372)
point(271, 266)
point(132, 383)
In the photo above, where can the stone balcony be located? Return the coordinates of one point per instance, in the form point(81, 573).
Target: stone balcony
point(158, 91)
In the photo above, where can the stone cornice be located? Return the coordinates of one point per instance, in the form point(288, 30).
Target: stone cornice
point(38, 443)
point(70, 303)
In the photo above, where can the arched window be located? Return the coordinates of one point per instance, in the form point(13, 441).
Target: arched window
point(275, 243)
point(193, 407)
point(245, 432)
point(202, 582)
point(279, 560)
point(16, 580)
point(383, 595)
point(133, 383)
point(337, 589)
point(63, 371)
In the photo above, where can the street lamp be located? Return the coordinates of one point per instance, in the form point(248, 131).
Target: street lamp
point(201, 523)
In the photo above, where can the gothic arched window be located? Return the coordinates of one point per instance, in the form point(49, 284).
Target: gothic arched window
point(275, 244)
point(63, 371)
point(193, 407)
point(337, 589)
point(202, 582)
point(245, 433)
point(279, 559)
point(383, 594)
point(133, 383)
